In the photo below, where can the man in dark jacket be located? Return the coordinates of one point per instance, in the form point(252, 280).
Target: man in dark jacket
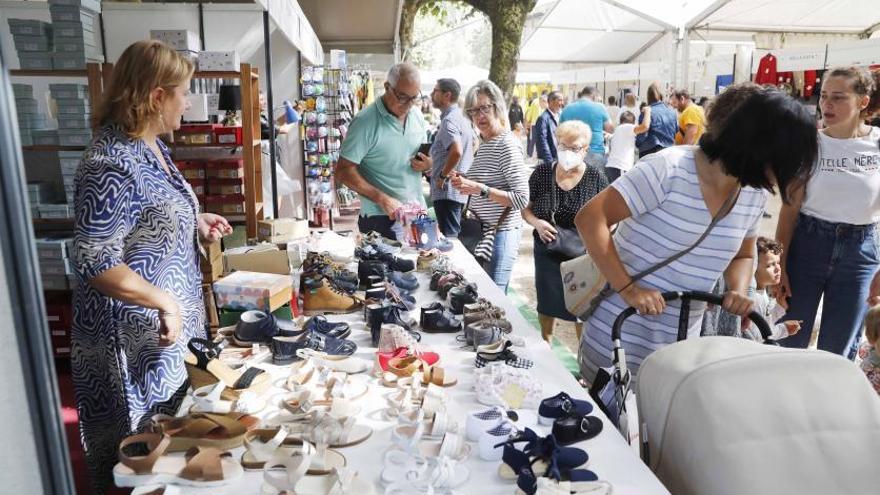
point(515, 114)
point(545, 137)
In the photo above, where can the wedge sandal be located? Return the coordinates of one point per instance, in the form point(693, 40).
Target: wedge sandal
point(205, 368)
point(200, 467)
point(286, 474)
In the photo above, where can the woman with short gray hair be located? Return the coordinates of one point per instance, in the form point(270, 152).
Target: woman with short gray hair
point(497, 182)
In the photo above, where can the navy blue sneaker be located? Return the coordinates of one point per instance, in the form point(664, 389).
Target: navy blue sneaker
point(319, 324)
point(560, 406)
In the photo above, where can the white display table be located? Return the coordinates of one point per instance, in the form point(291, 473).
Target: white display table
point(610, 457)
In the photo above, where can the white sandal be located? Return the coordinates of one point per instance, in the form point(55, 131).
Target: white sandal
point(323, 428)
point(548, 486)
point(346, 364)
point(409, 438)
point(303, 405)
point(436, 427)
point(285, 474)
point(262, 445)
point(443, 474)
point(208, 399)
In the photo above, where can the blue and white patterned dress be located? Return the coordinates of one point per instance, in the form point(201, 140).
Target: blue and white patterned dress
point(129, 210)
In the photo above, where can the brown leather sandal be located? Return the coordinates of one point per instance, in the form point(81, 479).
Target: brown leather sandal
point(219, 431)
point(406, 366)
point(200, 467)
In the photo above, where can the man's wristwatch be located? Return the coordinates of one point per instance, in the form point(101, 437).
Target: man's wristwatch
point(484, 191)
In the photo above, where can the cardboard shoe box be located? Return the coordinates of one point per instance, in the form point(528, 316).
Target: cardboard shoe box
point(54, 247)
point(29, 27)
point(251, 290)
point(281, 230)
point(177, 39)
point(262, 258)
point(218, 61)
point(69, 91)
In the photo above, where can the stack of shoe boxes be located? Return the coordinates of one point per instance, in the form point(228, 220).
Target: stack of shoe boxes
point(74, 127)
point(29, 117)
point(39, 193)
point(185, 42)
point(74, 24)
point(33, 42)
point(56, 268)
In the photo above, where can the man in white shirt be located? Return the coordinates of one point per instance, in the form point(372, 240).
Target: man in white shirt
point(613, 110)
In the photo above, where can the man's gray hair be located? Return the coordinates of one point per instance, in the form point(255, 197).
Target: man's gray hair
point(493, 92)
point(404, 70)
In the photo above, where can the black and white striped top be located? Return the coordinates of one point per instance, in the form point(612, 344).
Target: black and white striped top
point(499, 164)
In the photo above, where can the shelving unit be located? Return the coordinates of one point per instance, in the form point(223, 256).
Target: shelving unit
point(250, 124)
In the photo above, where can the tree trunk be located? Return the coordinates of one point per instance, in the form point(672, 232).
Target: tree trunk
point(407, 22)
point(508, 19)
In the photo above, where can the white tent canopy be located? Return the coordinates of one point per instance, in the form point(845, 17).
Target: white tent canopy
point(574, 33)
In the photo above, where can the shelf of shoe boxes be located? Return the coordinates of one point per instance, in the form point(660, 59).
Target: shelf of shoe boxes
point(321, 150)
point(257, 276)
point(208, 155)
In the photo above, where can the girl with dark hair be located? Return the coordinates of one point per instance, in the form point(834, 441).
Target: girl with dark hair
point(830, 226)
point(666, 203)
point(657, 124)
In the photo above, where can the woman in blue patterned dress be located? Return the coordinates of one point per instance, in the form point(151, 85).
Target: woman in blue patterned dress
point(136, 240)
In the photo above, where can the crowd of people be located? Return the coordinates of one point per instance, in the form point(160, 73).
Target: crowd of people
point(679, 194)
point(662, 173)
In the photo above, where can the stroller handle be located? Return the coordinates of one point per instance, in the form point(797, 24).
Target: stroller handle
point(686, 297)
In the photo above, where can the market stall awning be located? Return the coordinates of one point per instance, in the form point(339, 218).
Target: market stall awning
point(357, 26)
point(616, 31)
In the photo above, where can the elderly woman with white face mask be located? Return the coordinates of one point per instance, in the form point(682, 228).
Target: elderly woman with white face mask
point(557, 191)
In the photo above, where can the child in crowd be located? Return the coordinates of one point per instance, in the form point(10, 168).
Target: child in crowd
point(768, 274)
point(622, 153)
point(869, 356)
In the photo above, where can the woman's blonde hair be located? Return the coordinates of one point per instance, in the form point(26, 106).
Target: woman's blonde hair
point(142, 67)
point(575, 132)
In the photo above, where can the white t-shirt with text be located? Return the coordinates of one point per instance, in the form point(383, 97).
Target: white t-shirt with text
point(845, 186)
point(623, 148)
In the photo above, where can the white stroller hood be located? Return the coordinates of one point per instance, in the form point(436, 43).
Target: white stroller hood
point(731, 416)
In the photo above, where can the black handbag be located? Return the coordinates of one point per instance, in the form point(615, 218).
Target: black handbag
point(473, 234)
point(567, 244)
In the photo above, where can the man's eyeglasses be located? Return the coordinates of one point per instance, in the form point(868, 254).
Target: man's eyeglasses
point(404, 98)
point(483, 109)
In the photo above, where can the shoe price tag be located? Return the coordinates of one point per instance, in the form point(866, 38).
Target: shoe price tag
point(513, 395)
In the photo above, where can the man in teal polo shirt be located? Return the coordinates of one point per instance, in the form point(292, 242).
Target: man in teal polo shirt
point(379, 158)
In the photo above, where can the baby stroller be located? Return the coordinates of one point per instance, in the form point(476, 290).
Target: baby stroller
point(723, 415)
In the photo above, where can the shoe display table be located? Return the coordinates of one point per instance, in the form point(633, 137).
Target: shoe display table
point(609, 455)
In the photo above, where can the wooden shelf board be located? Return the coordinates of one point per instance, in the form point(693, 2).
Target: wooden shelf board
point(53, 148)
point(49, 73)
point(226, 74)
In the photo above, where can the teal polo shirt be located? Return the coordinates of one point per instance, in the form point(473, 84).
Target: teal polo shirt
point(382, 148)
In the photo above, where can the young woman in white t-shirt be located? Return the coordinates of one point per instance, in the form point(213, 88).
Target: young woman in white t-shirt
point(830, 229)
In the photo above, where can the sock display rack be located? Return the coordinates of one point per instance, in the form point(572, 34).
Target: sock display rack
point(325, 123)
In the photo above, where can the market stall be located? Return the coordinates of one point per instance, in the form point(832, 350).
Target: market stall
point(610, 457)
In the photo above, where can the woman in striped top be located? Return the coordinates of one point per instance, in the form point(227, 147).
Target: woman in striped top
point(497, 179)
point(756, 141)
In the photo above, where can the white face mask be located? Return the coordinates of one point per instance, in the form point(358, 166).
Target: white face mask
point(568, 160)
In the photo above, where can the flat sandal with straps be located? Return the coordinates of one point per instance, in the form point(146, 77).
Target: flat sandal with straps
point(220, 431)
point(261, 445)
point(200, 467)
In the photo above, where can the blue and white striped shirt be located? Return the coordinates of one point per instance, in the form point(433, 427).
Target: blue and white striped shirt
point(668, 215)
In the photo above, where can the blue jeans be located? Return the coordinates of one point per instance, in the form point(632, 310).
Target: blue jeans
point(448, 214)
point(504, 253)
point(839, 261)
point(530, 147)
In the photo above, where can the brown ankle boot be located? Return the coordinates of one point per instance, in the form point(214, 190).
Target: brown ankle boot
point(321, 296)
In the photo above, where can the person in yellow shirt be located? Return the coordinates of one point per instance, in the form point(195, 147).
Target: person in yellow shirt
point(535, 109)
point(691, 119)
